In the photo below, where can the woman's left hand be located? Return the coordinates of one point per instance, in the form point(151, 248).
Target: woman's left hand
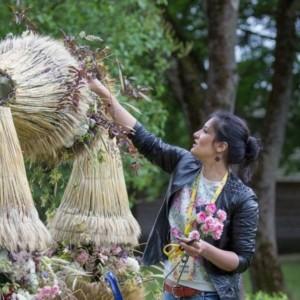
point(197, 248)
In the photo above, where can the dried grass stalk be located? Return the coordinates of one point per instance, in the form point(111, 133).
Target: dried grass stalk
point(130, 290)
point(49, 107)
point(95, 204)
point(20, 226)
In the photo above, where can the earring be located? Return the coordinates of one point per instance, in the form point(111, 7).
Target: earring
point(217, 158)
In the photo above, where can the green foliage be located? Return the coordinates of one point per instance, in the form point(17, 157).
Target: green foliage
point(47, 186)
point(265, 296)
point(141, 46)
point(153, 277)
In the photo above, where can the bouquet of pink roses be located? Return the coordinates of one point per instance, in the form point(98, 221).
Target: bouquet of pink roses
point(211, 222)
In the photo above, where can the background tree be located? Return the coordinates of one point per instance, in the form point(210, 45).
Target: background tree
point(203, 80)
point(222, 76)
point(266, 272)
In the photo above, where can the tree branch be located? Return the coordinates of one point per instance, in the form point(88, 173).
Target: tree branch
point(265, 36)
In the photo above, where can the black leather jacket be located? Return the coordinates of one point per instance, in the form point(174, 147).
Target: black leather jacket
point(238, 200)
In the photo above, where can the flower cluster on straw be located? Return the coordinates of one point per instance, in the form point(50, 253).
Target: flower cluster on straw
point(28, 275)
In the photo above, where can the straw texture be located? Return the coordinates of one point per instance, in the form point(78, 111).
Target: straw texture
point(49, 105)
point(100, 291)
point(20, 226)
point(95, 204)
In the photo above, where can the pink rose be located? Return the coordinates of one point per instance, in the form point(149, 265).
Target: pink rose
point(194, 235)
point(210, 208)
point(204, 228)
point(210, 223)
point(219, 226)
point(221, 214)
point(217, 234)
point(201, 216)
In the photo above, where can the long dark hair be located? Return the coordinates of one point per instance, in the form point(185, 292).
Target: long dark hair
point(243, 149)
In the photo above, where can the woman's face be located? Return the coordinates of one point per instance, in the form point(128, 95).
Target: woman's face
point(204, 147)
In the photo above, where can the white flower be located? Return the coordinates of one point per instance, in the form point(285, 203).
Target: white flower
point(132, 264)
point(22, 295)
point(33, 278)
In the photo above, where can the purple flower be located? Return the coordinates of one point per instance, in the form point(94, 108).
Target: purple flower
point(175, 232)
point(48, 292)
point(116, 250)
point(83, 257)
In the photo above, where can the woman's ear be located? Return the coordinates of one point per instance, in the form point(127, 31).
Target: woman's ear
point(221, 147)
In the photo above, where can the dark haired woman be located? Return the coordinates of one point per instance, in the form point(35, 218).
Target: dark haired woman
point(206, 228)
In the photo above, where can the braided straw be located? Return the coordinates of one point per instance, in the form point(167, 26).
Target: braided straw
point(95, 204)
point(20, 226)
point(48, 107)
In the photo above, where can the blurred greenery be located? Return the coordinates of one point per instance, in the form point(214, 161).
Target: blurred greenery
point(291, 270)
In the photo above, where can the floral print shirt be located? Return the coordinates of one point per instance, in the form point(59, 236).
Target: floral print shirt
point(195, 275)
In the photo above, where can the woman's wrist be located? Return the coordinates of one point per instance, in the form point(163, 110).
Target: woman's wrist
point(204, 248)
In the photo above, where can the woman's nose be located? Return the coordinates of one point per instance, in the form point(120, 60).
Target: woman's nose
point(196, 134)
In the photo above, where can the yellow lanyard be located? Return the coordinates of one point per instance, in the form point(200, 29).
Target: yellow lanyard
point(190, 218)
point(174, 250)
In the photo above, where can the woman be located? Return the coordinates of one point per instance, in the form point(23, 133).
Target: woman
point(206, 266)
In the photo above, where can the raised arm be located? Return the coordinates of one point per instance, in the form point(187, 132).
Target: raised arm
point(153, 148)
point(115, 109)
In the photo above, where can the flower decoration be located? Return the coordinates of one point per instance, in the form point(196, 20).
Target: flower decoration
point(48, 292)
point(211, 222)
point(33, 276)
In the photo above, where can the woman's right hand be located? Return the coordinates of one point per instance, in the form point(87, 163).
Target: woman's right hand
point(98, 87)
point(115, 109)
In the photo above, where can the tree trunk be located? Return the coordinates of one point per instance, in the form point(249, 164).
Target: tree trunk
point(266, 273)
point(199, 93)
point(185, 79)
point(222, 77)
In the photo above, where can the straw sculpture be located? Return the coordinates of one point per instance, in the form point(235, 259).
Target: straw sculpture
point(20, 226)
point(95, 207)
point(48, 101)
point(95, 210)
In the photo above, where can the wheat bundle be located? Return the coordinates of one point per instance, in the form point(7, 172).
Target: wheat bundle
point(95, 204)
point(20, 226)
point(48, 103)
point(131, 290)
